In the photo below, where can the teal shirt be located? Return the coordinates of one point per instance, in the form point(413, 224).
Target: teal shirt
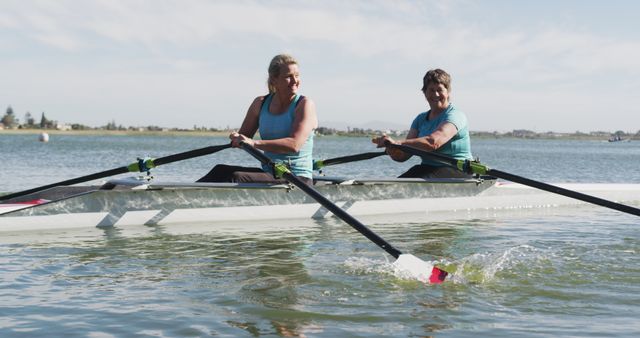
point(459, 146)
point(275, 126)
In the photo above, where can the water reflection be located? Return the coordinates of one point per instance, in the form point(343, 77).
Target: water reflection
point(291, 282)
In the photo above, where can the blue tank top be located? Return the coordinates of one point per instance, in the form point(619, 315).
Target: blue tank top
point(275, 126)
point(459, 146)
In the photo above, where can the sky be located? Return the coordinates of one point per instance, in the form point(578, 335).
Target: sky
point(560, 66)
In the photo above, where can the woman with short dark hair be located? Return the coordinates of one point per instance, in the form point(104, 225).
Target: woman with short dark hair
point(443, 129)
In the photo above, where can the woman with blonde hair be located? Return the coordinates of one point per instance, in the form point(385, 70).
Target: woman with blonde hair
point(285, 120)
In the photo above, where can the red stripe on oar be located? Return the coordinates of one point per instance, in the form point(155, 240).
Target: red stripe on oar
point(437, 276)
point(32, 202)
point(37, 201)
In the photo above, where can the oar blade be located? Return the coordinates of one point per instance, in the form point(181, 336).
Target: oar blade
point(414, 267)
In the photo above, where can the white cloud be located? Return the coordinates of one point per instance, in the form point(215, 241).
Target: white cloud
point(356, 50)
point(195, 23)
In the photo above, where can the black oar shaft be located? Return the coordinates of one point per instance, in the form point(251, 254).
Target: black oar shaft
point(116, 171)
point(72, 181)
point(313, 193)
point(343, 215)
point(190, 154)
point(352, 158)
point(431, 155)
point(478, 168)
point(565, 192)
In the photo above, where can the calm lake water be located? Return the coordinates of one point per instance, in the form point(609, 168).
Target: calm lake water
point(556, 272)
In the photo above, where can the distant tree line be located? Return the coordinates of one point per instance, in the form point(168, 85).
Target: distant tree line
point(529, 134)
point(10, 121)
point(357, 132)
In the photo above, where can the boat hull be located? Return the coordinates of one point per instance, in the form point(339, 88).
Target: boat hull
point(224, 205)
point(175, 203)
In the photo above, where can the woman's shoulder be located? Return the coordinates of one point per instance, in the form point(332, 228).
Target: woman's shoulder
point(304, 102)
point(261, 98)
point(304, 99)
point(454, 113)
point(453, 110)
point(259, 101)
point(419, 120)
point(421, 117)
point(256, 105)
point(306, 109)
point(456, 116)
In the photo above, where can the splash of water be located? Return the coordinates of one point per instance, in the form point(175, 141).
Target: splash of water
point(485, 267)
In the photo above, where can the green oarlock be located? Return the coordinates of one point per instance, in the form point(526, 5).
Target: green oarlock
point(149, 163)
point(279, 169)
point(478, 168)
point(141, 165)
point(133, 167)
point(472, 166)
point(319, 164)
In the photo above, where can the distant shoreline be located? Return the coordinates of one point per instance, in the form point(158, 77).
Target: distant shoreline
point(225, 133)
point(96, 132)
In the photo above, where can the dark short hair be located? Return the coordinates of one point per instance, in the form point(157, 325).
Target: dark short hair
point(438, 76)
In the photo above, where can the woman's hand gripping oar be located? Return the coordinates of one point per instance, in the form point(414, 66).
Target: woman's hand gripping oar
point(406, 263)
point(141, 166)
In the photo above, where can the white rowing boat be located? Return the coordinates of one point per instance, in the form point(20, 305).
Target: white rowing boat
point(137, 202)
point(132, 201)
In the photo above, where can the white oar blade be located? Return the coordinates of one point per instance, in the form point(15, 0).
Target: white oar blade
point(414, 267)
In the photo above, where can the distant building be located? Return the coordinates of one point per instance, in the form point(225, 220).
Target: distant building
point(63, 126)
